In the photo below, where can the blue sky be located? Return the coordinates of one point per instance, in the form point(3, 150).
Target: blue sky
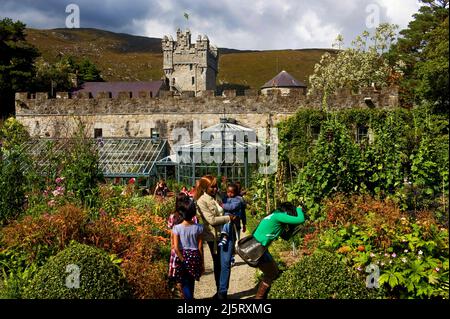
point(239, 24)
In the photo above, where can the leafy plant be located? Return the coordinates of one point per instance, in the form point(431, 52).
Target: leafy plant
point(99, 277)
point(320, 276)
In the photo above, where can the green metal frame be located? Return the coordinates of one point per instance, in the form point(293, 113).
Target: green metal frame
point(118, 157)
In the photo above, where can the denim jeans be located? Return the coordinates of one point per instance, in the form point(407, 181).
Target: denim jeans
point(188, 285)
point(216, 263)
point(225, 252)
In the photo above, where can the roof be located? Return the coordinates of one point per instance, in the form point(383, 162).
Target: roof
point(118, 157)
point(283, 80)
point(116, 87)
point(223, 137)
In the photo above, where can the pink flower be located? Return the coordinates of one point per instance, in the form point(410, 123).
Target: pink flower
point(51, 203)
point(59, 180)
point(394, 255)
point(437, 269)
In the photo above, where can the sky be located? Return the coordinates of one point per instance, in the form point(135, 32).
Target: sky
point(237, 24)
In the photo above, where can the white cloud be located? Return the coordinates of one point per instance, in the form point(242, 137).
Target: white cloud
point(311, 29)
point(400, 11)
point(35, 18)
point(239, 24)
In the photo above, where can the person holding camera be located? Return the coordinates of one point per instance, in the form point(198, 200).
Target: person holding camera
point(281, 222)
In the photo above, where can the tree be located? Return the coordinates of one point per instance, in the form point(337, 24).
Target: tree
point(88, 72)
point(359, 66)
point(60, 76)
point(54, 77)
point(16, 63)
point(432, 72)
point(423, 46)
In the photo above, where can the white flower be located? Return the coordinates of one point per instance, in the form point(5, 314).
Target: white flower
point(420, 252)
point(406, 250)
point(404, 259)
point(372, 255)
point(437, 269)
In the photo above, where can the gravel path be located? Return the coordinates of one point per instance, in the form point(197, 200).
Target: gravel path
point(242, 280)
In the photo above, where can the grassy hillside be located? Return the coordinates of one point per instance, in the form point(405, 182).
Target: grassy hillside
point(134, 58)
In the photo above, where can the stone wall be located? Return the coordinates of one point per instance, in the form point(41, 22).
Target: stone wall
point(137, 116)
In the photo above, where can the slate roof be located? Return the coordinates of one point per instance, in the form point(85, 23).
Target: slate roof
point(283, 80)
point(116, 87)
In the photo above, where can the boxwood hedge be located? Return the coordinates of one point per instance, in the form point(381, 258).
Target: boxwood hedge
point(320, 276)
point(99, 277)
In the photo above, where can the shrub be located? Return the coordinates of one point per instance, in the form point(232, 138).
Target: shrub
point(319, 276)
point(146, 270)
point(99, 277)
point(12, 184)
point(46, 234)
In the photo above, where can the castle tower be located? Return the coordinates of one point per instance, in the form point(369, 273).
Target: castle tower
point(189, 66)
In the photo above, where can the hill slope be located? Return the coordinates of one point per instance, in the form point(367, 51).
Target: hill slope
point(134, 58)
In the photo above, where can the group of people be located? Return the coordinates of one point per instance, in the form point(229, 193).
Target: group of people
point(223, 217)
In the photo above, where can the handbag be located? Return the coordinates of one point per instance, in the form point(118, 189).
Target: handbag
point(250, 250)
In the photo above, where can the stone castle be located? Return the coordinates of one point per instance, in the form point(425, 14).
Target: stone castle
point(185, 98)
point(188, 66)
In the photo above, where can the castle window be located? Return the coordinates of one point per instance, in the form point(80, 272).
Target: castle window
point(98, 132)
point(173, 81)
point(193, 80)
point(362, 134)
point(315, 132)
point(190, 67)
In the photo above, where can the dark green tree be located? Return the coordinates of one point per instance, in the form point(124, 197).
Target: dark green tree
point(423, 47)
point(88, 72)
point(16, 63)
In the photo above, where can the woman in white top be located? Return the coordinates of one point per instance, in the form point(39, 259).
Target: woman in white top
point(213, 219)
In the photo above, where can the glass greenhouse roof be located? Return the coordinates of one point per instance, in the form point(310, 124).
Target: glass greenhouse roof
point(226, 137)
point(119, 157)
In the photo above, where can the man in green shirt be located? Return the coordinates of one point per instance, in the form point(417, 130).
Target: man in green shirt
point(269, 229)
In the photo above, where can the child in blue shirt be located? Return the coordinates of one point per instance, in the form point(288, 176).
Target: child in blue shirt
point(233, 204)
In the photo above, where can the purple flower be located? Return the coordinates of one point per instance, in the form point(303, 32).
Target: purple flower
point(394, 255)
point(359, 269)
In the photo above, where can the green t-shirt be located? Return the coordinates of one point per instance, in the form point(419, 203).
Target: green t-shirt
point(271, 226)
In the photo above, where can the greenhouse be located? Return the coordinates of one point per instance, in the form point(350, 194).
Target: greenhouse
point(119, 158)
point(226, 149)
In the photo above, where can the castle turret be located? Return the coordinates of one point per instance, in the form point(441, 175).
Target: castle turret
point(189, 66)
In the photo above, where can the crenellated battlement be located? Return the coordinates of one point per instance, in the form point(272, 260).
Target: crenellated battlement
point(143, 115)
point(206, 102)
